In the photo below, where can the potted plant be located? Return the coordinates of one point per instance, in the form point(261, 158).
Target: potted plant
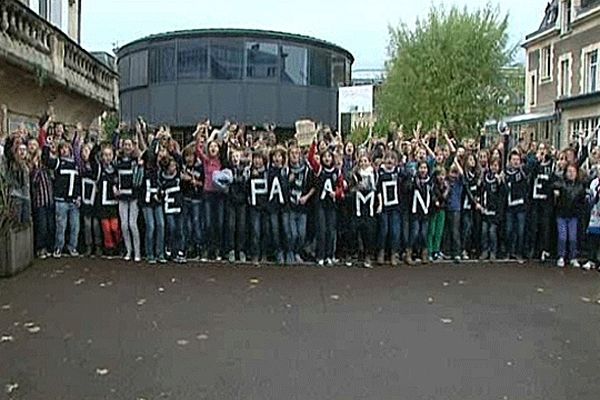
point(16, 240)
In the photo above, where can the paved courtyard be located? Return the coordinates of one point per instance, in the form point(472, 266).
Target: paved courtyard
point(90, 329)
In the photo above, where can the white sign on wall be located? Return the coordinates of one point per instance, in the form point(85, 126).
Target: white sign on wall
point(355, 99)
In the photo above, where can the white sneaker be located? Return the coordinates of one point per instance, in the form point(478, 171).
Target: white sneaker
point(321, 263)
point(545, 256)
point(329, 262)
point(589, 265)
point(137, 259)
point(575, 264)
point(127, 257)
point(560, 263)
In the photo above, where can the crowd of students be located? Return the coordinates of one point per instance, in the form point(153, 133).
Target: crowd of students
point(241, 196)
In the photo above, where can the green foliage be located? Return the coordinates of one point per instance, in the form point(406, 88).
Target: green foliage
point(109, 125)
point(6, 207)
point(448, 69)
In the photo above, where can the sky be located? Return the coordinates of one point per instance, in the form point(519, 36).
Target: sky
point(360, 27)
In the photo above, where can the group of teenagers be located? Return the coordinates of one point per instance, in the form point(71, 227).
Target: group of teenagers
point(238, 195)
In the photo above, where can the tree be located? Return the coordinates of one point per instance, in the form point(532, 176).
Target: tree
point(448, 69)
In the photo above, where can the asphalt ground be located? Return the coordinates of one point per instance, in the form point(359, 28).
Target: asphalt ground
point(97, 329)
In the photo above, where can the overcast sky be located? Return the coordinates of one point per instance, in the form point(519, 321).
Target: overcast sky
point(359, 26)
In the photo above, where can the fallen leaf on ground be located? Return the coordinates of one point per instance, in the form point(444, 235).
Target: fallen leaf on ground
point(29, 324)
point(254, 281)
point(11, 387)
point(182, 342)
point(202, 336)
point(462, 282)
point(34, 329)
point(101, 371)
point(173, 280)
point(540, 290)
point(446, 320)
point(446, 283)
point(552, 309)
point(586, 299)
point(161, 289)
point(288, 306)
point(430, 300)
point(334, 297)
point(6, 338)
point(79, 281)
point(141, 302)
point(211, 280)
point(509, 363)
point(139, 358)
point(6, 307)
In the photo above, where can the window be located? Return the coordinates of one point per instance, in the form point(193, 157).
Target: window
point(320, 68)
point(566, 16)
point(138, 70)
point(546, 63)
point(262, 60)
point(226, 60)
point(192, 60)
point(161, 64)
point(532, 89)
point(338, 71)
point(294, 65)
point(591, 71)
point(564, 81)
point(123, 65)
point(584, 126)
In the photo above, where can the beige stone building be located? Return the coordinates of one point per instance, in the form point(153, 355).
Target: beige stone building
point(562, 74)
point(42, 64)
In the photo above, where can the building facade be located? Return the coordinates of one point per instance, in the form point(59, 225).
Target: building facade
point(249, 76)
point(562, 83)
point(43, 65)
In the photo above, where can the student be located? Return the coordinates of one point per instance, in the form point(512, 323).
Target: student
point(437, 222)
point(107, 203)
point(67, 197)
point(277, 206)
point(329, 191)
point(516, 180)
point(257, 210)
point(169, 182)
point(300, 194)
point(389, 179)
point(152, 210)
point(570, 195)
point(42, 202)
point(192, 182)
point(363, 196)
point(541, 208)
point(421, 190)
point(455, 196)
point(491, 195)
point(593, 230)
point(237, 209)
point(91, 224)
point(471, 181)
point(126, 164)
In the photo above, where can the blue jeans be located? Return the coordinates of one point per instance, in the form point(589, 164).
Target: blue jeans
point(174, 233)
point(515, 231)
point(489, 236)
point(466, 221)
point(259, 225)
point(280, 230)
point(192, 223)
point(155, 231)
point(236, 227)
point(43, 226)
point(66, 212)
point(326, 232)
point(214, 219)
point(567, 230)
point(390, 227)
point(418, 236)
point(297, 230)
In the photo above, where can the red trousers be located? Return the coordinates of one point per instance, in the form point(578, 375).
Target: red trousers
point(112, 232)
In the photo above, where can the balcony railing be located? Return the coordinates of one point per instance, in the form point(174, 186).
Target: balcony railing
point(28, 39)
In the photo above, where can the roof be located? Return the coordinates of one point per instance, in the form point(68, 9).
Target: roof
point(226, 32)
point(581, 100)
point(549, 21)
